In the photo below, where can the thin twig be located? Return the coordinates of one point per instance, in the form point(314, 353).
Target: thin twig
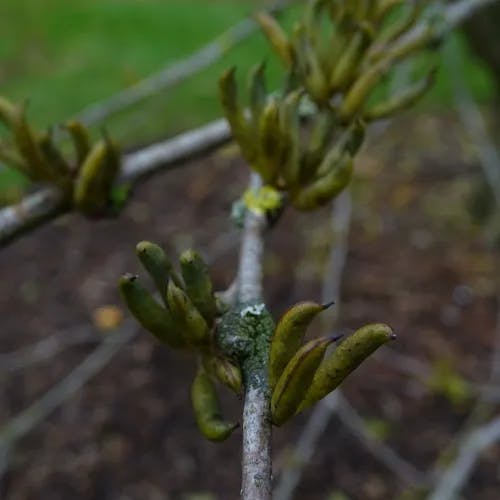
point(174, 73)
point(23, 423)
point(168, 154)
point(403, 469)
point(47, 204)
point(474, 124)
point(12, 431)
point(471, 439)
point(30, 213)
point(332, 283)
point(420, 371)
point(495, 360)
point(250, 264)
point(455, 477)
point(481, 411)
point(256, 452)
point(44, 349)
point(306, 445)
point(336, 402)
point(489, 159)
point(448, 17)
point(403, 363)
point(318, 421)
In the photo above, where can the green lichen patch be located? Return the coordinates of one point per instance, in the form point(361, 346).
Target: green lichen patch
point(244, 334)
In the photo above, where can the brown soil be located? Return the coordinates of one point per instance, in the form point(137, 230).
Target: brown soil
point(415, 261)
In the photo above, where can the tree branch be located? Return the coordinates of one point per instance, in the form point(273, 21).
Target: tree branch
point(336, 402)
point(49, 347)
point(44, 349)
point(256, 453)
point(23, 423)
point(323, 411)
point(474, 435)
point(450, 16)
point(48, 203)
point(474, 124)
point(31, 212)
point(250, 263)
point(306, 446)
point(256, 450)
point(386, 455)
point(175, 73)
point(456, 475)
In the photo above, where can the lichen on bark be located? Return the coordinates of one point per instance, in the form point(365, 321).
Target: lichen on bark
point(244, 334)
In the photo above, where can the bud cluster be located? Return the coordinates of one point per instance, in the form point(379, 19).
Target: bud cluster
point(87, 180)
point(337, 54)
point(191, 317)
point(185, 319)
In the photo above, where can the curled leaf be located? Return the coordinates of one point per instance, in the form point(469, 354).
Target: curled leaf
point(295, 380)
point(345, 359)
point(187, 317)
point(321, 190)
point(149, 313)
point(158, 266)
point(404, 99)
point(198, 284)
point(276, 36)
point(206, 409)
point(289, 335)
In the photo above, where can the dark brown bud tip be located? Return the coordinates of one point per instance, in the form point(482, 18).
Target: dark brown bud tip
point(334, 338)
point(328, 304)
point(393, 336)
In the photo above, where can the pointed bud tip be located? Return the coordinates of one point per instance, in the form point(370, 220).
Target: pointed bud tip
point(334, 338)
point(328, 304)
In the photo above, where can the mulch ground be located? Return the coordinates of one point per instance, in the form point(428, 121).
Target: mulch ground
point(415, 261)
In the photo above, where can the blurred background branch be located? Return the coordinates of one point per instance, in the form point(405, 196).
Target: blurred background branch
point(470, 429)
point(45, 205)
point(300, 456)
point(45, 349)
point(48, 203)
point(24, 422)
point(455, 476)
point(175, 73)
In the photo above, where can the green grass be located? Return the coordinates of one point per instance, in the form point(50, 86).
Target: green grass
point(477, 76)
point(65, 54)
